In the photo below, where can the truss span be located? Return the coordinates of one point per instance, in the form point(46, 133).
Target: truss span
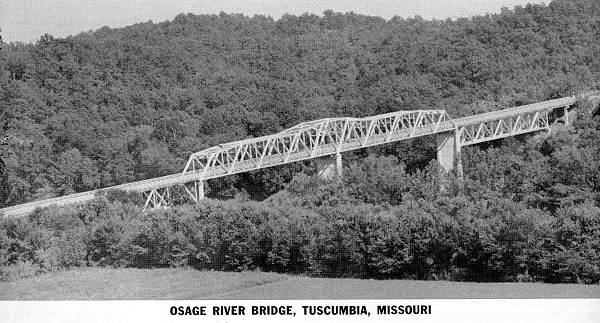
point(314, 139)
point(509, 122)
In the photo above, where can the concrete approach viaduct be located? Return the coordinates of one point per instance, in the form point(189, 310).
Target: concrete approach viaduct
point(331, 137)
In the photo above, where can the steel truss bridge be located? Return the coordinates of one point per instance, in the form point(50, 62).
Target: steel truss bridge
point(332, 136)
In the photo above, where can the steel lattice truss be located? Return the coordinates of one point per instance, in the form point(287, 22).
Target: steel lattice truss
point(314, 139)
point(505, 127)
point(508, 122)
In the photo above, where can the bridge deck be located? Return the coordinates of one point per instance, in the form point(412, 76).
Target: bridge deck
point(140, 186)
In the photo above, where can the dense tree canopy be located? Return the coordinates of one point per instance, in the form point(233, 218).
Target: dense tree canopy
point(117, 105)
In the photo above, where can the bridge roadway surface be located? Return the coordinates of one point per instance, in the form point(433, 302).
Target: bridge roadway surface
point(190, 176)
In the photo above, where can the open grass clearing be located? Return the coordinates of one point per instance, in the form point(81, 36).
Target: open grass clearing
point(130, 284)
point(125, 284)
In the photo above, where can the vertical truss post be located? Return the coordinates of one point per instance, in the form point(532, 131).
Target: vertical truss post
point(566, 113)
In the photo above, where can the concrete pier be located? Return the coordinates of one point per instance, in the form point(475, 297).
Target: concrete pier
point(448, 152)
point(329, 169)
point(199, 190)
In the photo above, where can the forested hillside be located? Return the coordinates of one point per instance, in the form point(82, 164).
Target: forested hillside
point(117, 105)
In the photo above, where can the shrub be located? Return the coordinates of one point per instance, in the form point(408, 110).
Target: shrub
point(66, 251)
point(225, 239)
point(389, 247)
point(291, 235)
point(339, 241)
point(147, 241)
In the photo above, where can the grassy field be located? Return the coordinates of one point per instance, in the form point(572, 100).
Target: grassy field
point(126, 284)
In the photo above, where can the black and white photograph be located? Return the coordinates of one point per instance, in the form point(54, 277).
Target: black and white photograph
point(313, 161)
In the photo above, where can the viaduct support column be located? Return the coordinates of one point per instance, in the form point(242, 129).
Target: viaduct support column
point(199, 190)
point(328, 169)
point(338, 164)
point(448, 152)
